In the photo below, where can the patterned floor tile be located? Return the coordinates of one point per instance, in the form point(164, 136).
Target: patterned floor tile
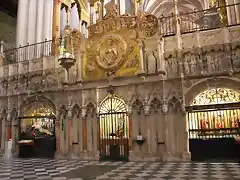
point(52, 169)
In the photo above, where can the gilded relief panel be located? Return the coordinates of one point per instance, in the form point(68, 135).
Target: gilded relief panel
point(113, 47)
point(113, 54)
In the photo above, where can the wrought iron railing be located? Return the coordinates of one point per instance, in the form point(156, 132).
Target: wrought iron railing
point(212, 18)
point(29, 52)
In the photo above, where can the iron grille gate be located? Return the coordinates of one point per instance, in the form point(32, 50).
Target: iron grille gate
point(213, 130)
point(114, 129)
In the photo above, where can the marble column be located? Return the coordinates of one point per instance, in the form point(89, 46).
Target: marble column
point(48, 19)
point(47, 26)
point(22, 23)
point(39, 29)
point(32, 19)
point(74, 19)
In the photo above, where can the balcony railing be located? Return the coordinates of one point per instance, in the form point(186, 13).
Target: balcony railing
point(29, 52)
point(212, 18)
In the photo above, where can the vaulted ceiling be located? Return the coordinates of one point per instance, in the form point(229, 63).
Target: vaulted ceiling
point(165, 7)
point(9, 7)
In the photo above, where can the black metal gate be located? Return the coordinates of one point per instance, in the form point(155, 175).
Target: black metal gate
point(114, 129)
point(213, 130)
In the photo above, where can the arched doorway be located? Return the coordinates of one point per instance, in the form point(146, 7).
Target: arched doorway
point(213, 120)
point(114, 129)
point(37, 130)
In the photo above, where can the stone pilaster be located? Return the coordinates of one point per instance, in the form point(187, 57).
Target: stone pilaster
point(161, 63)
point(141, 51)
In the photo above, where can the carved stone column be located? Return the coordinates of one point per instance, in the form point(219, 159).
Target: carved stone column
point(135, 121)
point(147, 122)
point(69, 130)
point(3, 136)
point(141, 50)
point(62, 121)
point(161, 63)
point(81, 131)
point(186, 153)
point(57, 133)
point(95, 137)
point(167, 153)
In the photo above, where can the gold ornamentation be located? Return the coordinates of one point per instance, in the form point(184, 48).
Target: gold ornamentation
point(112, 51)
point(149, 25)
point(216, 96)
point(111, 10)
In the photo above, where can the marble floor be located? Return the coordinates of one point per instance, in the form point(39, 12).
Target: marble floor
point(52, 169)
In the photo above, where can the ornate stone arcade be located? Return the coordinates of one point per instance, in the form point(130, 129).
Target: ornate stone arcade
point(155, 76)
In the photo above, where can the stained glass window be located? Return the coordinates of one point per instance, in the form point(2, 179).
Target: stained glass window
point(113, 118)
point(216, 96)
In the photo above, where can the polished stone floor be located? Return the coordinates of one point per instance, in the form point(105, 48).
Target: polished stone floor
point(36, 169)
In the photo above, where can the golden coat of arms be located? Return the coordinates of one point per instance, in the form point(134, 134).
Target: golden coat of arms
point(112, 51)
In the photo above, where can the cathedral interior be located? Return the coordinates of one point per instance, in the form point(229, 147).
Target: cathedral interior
point(137, 80)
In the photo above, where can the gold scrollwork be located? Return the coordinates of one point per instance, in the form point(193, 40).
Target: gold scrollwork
point(112, 51)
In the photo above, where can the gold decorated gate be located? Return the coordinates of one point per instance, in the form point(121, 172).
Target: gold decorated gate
point(114, 129)
point(214, 124)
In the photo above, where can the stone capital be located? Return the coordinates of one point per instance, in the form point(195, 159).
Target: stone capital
point(84, 112)
point(165, 109)
point(147, 110)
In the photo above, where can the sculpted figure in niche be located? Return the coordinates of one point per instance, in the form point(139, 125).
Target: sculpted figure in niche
point(172, 65)
point(186, 64)
point(152, 62)
point(217, 62)
point(192, 64)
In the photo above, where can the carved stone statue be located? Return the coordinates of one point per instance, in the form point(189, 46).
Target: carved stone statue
point(152, 62)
